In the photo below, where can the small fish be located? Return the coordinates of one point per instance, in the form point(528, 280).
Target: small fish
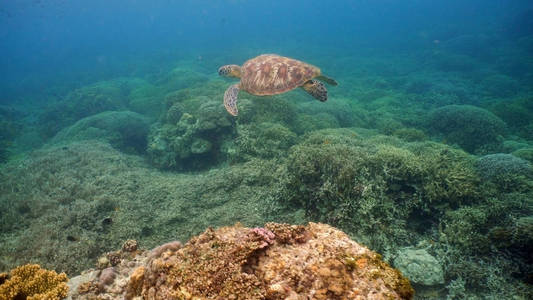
point(71, 238)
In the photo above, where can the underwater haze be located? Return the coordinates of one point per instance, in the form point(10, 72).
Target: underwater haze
point(112, 38)
point(113, 127)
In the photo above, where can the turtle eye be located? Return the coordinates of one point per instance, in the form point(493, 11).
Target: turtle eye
point(223, 71)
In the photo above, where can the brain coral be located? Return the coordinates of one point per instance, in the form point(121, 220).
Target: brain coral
point(278, 261)
point(33, 283)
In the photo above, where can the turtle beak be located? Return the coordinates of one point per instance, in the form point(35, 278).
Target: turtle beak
point(222, 71)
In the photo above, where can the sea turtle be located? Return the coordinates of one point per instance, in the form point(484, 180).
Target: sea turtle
point(271, 74)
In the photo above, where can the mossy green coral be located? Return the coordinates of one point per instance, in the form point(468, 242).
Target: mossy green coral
point(363, 184)
point(473, 128)
point(264, 140)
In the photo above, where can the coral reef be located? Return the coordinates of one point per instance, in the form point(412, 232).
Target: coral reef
point(146, 99)
point(410, 134)
point(496, 166)
point(473, 128)
point(179, 78)
point(278, 261)
point(283, 159)
point(474, 238)
point(264, 140)
point(275, 109)
point(9, 129)
point(194, 141)
point(308, 123)
point(525, 153)
point(66, 204)
point(338, 112)
point(419, 266)
point(357, 184)
point(33, 283)
point(124, 130)
point(517, 113)
point(506, 171)
point(4, 152)
point(81, 103)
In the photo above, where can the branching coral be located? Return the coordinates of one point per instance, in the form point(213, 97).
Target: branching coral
point(33, 283)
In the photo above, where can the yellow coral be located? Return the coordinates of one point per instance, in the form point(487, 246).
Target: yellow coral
point(33, 283)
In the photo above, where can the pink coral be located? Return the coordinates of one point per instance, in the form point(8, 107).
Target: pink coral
point(266, 235)
point(170, 246)
point(106, 277)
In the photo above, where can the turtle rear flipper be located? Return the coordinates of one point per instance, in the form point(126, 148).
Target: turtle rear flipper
point(316, 89)
point(230, 99)
point(327, 80)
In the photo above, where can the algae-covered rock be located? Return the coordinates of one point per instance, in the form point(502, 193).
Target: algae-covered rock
point(419, 266)
point(124, 130)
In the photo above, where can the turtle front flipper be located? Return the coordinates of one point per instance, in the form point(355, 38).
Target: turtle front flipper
point(327, 80)
point(316, 89)
point(230, 99)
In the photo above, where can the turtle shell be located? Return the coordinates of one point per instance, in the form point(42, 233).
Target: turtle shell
point(271, 74)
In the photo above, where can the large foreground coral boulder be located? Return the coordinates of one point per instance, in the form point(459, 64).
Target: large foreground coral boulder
point(277, 261)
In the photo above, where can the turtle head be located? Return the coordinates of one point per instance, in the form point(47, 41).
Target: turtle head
point(230, 71)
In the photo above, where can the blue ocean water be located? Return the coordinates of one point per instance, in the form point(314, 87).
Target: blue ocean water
point(428, 138)
point(110, 38)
